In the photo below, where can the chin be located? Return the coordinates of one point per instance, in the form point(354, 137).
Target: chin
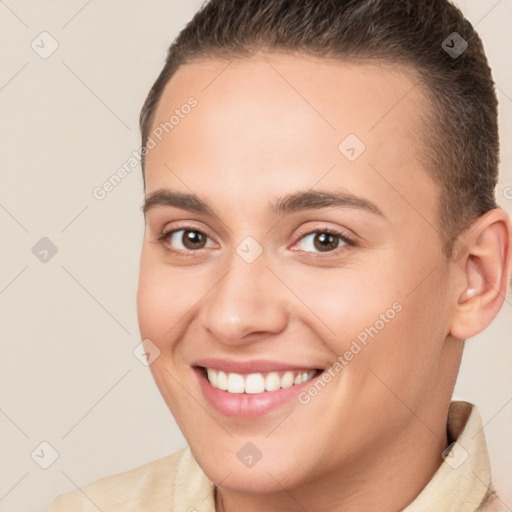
point(266, 476)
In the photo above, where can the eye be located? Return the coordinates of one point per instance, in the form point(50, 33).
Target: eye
point(185, 240)
point(323, 240)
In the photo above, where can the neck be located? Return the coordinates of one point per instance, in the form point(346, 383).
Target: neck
point(373, 483)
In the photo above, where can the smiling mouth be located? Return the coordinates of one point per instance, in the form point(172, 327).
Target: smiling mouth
point(253, 383)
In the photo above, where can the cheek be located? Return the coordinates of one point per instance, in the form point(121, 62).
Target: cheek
point(345, 304)
point(377, 320)
point(153, 308)
point(164, 298)
point(403, 359)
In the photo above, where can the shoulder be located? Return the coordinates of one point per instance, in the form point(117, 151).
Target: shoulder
point(147, 487)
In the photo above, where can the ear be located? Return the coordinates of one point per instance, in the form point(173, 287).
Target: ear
point(485, 261)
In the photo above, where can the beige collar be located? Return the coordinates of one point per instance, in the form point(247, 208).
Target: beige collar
point(462, 482)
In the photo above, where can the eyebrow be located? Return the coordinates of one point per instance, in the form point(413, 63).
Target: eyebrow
point(291, 203)
point(190, 202)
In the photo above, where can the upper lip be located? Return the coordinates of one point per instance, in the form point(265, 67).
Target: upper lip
point(252, 366)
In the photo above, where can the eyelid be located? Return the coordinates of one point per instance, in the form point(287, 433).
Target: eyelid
point(186, 226)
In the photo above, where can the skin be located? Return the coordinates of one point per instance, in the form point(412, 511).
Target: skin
point(265, 127)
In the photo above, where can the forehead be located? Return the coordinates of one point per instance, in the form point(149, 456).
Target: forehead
point(335, 96)
point(289, 119)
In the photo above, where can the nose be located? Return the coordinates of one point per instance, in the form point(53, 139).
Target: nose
point(247, 304)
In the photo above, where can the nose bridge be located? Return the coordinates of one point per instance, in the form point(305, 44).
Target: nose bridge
point(244, 301)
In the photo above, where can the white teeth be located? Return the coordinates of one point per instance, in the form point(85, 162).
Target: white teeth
point(222, 380)
point(212, 377)
point(256, 382)
point(235, 383)
point(272, 381)
point(287, 380)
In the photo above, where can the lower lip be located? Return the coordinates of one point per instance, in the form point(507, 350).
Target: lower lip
point(247, 405)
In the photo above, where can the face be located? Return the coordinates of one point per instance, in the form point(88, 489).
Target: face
point(291, 241)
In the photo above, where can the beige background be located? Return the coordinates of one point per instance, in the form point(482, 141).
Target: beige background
point(68, 326)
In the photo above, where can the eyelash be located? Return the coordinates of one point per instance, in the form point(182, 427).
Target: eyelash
point(344, 238)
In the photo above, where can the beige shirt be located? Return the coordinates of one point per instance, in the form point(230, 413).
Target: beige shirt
point(176, 483)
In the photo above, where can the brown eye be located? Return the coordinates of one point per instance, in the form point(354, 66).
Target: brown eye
point(325, 242)
point(193, 239)
point(322, 241)
point(186, 240)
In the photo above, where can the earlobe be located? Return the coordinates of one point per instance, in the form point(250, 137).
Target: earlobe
point(486, 273)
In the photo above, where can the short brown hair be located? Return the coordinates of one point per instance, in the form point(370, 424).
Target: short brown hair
point(462, 142)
